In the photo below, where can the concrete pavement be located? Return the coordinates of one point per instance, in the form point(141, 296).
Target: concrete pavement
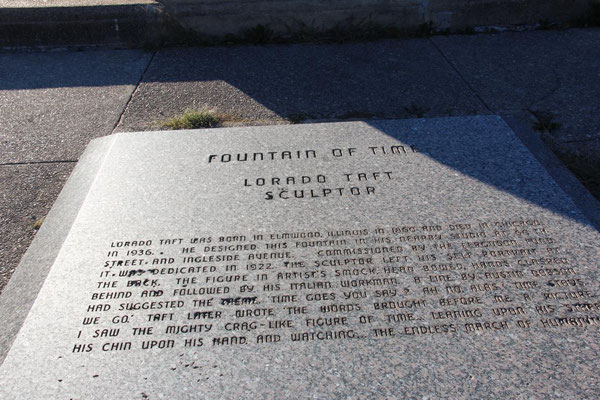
point(53, 103)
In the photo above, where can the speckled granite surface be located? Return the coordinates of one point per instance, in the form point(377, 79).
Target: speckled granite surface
point(395, 259)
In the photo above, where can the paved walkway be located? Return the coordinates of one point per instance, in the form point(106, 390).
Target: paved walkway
point(53, 103)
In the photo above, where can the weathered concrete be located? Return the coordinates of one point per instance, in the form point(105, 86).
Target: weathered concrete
point(144, 23)
point(218, 18)
point(67, 22)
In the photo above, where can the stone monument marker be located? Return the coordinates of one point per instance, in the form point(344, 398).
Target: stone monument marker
point(392, 259)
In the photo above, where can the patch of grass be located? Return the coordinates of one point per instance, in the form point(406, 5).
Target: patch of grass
point(545, 121)
point(38, 224)
point(193, 120)
point(416, 110)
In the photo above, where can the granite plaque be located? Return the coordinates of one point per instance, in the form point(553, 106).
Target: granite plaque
point(393, 259)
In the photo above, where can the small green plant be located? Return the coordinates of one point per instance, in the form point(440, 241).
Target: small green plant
point(416, 110)
point(544, 121)
point(38, 224)
point(193, 120)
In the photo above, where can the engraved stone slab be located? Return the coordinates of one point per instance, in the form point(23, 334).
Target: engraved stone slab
point(389, 259)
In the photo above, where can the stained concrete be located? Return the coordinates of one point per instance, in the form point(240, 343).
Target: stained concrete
point(39, 23)
point(218, 18)
point(153, 23)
